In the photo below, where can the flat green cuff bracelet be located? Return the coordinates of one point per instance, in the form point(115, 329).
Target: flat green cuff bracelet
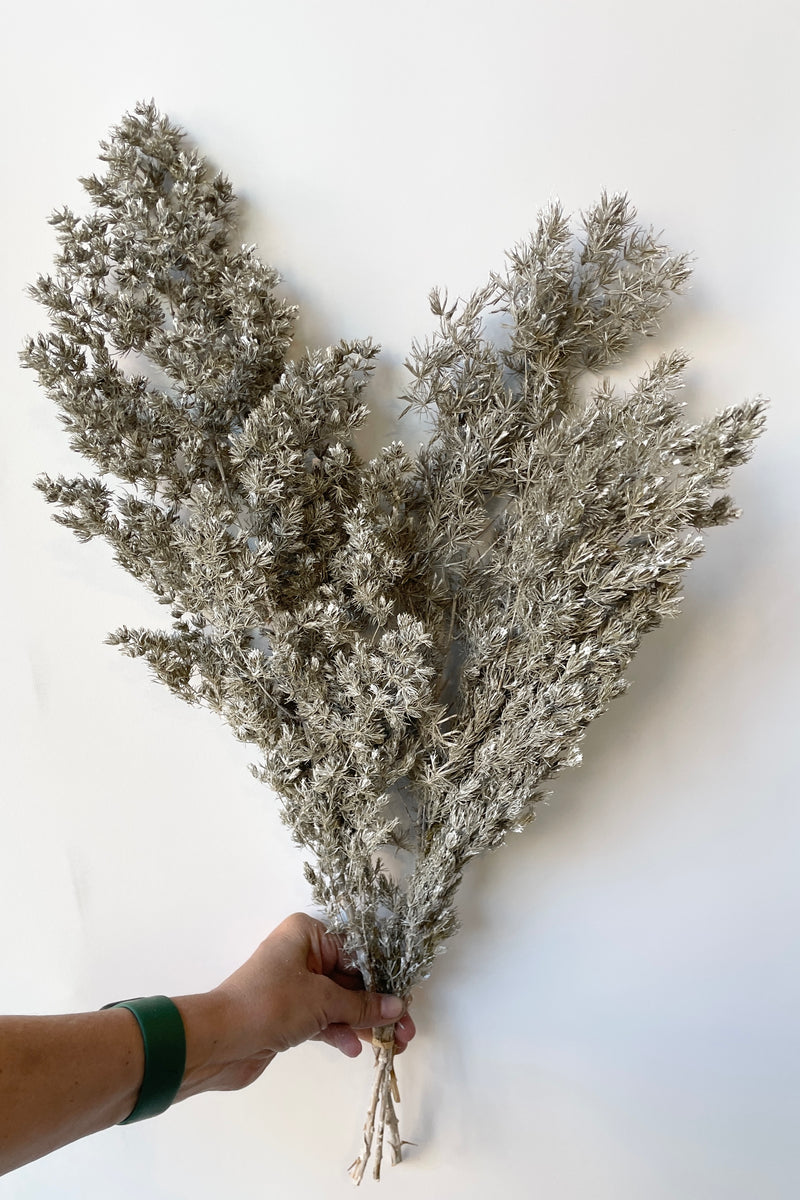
point(164, 1040)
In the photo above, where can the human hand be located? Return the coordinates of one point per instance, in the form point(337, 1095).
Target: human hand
point(296, 987)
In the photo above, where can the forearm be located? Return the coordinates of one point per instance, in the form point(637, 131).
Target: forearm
point(63, 1077)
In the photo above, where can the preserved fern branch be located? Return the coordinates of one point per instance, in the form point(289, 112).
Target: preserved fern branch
point(414, 644)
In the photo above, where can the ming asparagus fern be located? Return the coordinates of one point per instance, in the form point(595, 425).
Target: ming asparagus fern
point(414, 644)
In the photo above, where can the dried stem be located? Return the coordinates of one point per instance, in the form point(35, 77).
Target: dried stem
point(381, 1119)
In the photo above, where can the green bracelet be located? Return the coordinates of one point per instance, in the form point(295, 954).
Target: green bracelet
point(164, 1040)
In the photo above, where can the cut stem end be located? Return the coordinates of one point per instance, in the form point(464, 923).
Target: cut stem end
point(381, 1124)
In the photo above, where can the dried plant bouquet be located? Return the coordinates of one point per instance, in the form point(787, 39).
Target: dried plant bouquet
point(416, 643)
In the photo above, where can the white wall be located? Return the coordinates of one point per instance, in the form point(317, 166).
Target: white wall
point(618, 1018)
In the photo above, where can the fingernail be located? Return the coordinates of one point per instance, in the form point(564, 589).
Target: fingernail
point(391, 1008)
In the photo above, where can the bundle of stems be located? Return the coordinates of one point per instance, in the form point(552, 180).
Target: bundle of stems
point(414, 643)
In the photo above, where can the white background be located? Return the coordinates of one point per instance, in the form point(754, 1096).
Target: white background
point(618, 1019)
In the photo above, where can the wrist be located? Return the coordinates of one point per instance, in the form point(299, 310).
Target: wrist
point(216, 1057)
point(204, 1024)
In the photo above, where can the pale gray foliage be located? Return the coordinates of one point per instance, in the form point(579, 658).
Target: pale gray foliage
point(417, 643)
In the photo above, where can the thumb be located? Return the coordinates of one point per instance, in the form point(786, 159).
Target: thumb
point(362, 1010)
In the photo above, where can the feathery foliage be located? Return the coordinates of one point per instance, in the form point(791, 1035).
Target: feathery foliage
point(415, 644)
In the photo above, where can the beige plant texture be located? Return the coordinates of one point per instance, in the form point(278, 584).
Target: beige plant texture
point(414, 644)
